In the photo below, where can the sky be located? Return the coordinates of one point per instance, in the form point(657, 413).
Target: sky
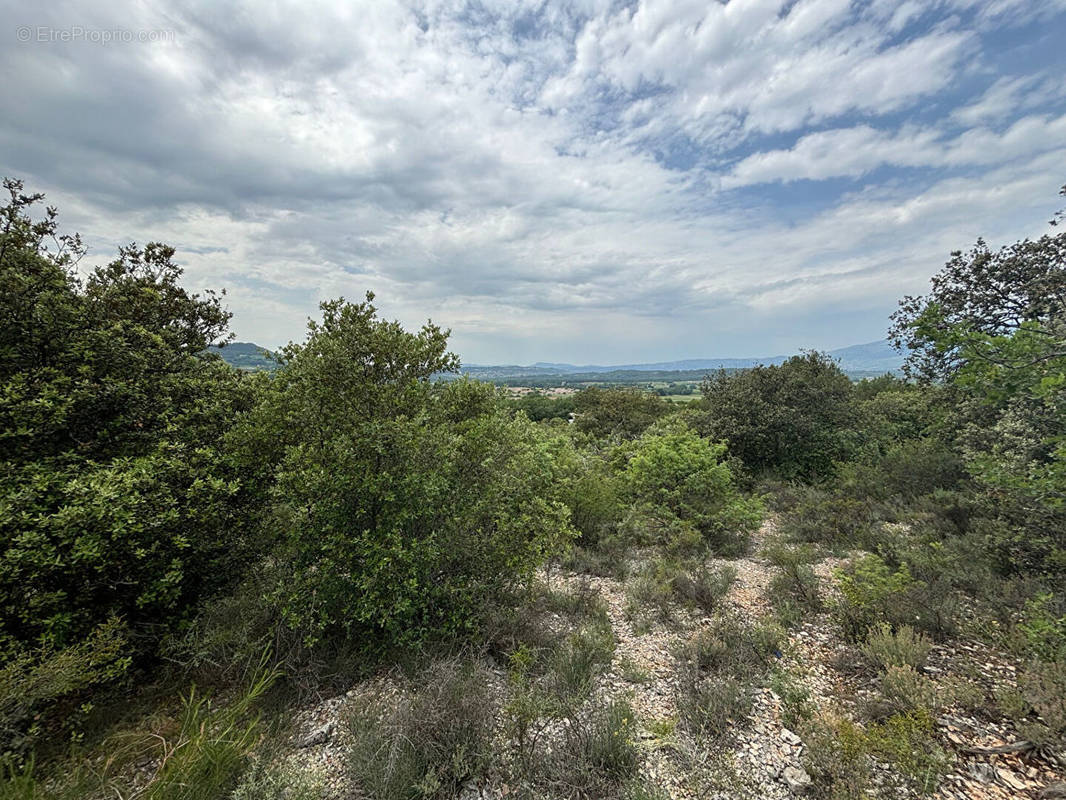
point(585, 181)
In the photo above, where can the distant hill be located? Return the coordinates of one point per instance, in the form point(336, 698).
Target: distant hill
point(245, 355)
point(858, 361)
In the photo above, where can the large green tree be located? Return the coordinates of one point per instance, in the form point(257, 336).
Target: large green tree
point(793, 420)
point(404, 506)
point(115, 499)
point(993, 327)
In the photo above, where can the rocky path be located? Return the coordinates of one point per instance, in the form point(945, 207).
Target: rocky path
point(763, 758)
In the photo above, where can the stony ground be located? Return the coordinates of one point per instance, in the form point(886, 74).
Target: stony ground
point(765, 759)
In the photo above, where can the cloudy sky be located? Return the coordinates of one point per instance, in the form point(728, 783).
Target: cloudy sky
point(584, 181)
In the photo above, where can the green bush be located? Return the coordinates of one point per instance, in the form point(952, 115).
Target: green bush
point(406, 510)
point(597, 755)
point(903, 690)
point(872, 592)
point(907, 739)
point(795, 580)
point(617, 412)
point(717, 669)
point(426, 739)
point(902, 647)
point(829, 519)
point(33, 680)
point(792, 420)
point(837, 758)
point(118, 497)
point(680, 474)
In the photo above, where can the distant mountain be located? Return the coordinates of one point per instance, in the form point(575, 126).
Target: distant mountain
point(859, 360)
point(245, 355)
point(873, 357)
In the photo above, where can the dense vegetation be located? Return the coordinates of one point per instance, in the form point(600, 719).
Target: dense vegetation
point(169, 521)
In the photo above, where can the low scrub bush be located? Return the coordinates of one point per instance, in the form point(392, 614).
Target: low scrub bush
point(34, 680)
point(885, 648)
point(903, 690)
point(428, 738)
point(907, 740)
point(795, 580)
point(682, 475)
point(872, 592)
point(717, 670)
point(667, 581)
point(1043, 686)
point(714, 705)
point(829, 519)
point(837, 758)
point(266, 781)
point(596, 757)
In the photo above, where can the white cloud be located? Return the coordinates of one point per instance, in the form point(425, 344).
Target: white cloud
point(542, 175)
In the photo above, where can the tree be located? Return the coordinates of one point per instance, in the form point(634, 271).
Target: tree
point(994, 327)
point(793, 420)
point(677, 472)
point(115, 497)
point(618, 412)
point(403, 507)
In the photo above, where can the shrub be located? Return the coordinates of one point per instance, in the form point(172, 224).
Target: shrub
point(595, 756)
point(716, 670)
point(833, 520)
point(795, 580)
point(617, 412)
point(119, 496)
point(904, 470)
point(1043, 686)
point(265, 781)
point(872, 592)
point(681, 475)
point(792, 420)
point(574, 666)
point(37, 679)
point(903, 690)
point(406, 510)
point(903, 647)
point(836, 757)
point(713, 706)
point(428, 738)
point(907, 740)
point(665, 581)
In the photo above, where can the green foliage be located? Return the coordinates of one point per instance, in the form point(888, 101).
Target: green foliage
point(902, 647)
point(31, 681)
point(903, 690)
point(874, 592)
point(539, 407)
point(678, 473)
point(212, 746)
point(907, 740)
point(717, 669)
point(426, 739)
point(662, 582)
point(265, 781)
point(617, 412)
point(836, 758)
point(792, 420)
point(994, 325)
point(829, 518)
point(404, 509)
point(1044, 629)
point(795, 580)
